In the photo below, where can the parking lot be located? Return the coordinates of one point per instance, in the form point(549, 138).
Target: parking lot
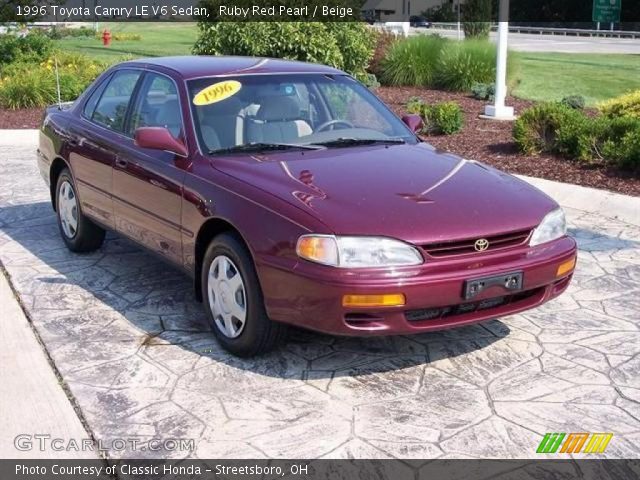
point(132, 345)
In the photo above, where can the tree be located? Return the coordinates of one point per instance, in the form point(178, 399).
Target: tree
point(476, 18)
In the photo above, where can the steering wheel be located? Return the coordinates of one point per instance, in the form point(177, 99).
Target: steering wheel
point(331, 123)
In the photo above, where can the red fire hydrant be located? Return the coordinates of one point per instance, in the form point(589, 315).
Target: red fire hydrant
point(106, 38)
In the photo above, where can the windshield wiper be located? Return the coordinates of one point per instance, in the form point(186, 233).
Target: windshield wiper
point(262, 147)
point(353, 142)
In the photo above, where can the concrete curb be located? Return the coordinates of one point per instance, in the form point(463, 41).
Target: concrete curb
point(602, 202)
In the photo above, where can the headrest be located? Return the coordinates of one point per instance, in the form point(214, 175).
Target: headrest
point(169, 112)
point(278, 108)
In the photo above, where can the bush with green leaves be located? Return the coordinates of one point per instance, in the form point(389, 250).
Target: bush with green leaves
point(384, 41)
point(33, 46)
point(537, 129)
point(476, 17)
point(440, 118)
point(627, 105)
point(412, 61)
point(30, 84)
point(345, 45)
point(483, 91)
point(462, 64)
point(561, 129)
point(433, 61)
point(56, 33)
point(577, 102)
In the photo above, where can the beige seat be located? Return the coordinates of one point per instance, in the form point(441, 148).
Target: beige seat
point(278, 120)
point(222, 124)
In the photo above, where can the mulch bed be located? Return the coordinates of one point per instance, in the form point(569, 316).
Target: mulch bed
point(488, 141)
point(491, 142)
point(27, 118)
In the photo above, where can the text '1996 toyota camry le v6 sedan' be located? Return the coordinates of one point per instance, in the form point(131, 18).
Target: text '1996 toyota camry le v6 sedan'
point(293, 195)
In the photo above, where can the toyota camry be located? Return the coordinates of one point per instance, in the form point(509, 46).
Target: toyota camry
point(293, 196)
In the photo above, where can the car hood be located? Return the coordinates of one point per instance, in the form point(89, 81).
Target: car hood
point(411, 192)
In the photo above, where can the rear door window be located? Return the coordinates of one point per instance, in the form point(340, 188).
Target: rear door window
point(111, 109)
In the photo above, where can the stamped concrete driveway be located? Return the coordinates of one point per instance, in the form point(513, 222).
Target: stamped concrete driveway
point(133, 347)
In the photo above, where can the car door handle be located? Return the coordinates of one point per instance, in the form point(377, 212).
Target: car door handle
point(121, 162)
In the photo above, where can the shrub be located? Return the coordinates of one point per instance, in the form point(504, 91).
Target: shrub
point(441, 118)
point(33, 46)
point(622, 106)
point(412, 61)
point(483, 91)
point(537, 129)
point(345, 45)
point(57, 33)
point(384, 40)
point(461, 64)
point(558, 128)
point(476, 17)
point(121, 36)
point(445, 118)
point(576, 102)
point(29, 84)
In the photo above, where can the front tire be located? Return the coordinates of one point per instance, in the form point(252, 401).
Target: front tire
point(233, 299)
point(78, 232)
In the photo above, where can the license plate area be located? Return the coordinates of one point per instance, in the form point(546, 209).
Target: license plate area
point(511, 282)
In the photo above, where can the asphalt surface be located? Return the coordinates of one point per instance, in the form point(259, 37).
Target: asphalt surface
point(139, 360)
point(556, 43)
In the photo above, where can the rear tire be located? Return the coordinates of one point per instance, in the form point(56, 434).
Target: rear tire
point(78, 232)
point(233, 300)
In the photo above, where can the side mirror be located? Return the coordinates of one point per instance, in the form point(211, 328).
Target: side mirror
point(413, 121)
point(159, 138)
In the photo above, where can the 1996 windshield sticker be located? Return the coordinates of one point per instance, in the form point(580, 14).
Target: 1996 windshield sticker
point(217, 92)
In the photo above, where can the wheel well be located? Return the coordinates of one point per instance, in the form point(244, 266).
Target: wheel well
point(56, 167)
point(211, 228)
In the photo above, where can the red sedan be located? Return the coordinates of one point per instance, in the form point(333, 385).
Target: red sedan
point(293, 195)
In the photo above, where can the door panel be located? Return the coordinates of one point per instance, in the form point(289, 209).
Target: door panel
point(147, 184)
point(147, 196)
point(91, 156)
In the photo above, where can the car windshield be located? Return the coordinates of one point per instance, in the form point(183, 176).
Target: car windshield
point(279, 112)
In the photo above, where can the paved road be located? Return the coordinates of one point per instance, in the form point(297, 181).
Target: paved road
point(556, 43)
point(135, 351)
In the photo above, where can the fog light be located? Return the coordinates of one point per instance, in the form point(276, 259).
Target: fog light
point(386, 300)
point(566, 267)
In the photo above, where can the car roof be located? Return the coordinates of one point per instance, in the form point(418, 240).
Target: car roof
point(203, 65)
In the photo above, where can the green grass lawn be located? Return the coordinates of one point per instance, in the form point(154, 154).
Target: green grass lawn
point(158, 39)
point(543, 76)
point(597, 77)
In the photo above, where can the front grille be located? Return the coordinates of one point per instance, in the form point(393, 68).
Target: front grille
point(453, 310)
point(462, 247)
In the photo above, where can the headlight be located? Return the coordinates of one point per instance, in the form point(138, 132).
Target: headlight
point(357, 252)
point(553, 225)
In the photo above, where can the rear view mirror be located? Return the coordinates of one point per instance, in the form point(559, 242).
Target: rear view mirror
point(159, 138)
point(413, 121)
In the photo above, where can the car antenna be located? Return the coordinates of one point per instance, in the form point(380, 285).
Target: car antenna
point(55, 59)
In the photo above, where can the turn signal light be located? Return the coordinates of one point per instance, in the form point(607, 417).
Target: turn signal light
point(566, 267)
point(386, 300)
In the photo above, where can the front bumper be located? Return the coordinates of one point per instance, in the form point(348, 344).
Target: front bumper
point(310, 295)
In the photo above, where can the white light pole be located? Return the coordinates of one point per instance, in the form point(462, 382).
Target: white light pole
point(498, 110)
